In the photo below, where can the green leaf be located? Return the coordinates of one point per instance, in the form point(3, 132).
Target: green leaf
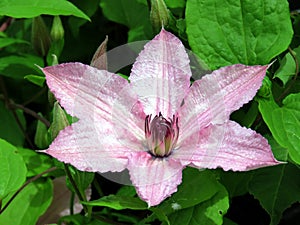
point(284, 122)
point(15, 66)
point(279, 152)
point(5, 41)
point(9, 129)
point(181, 27)
point(276, 188)
point(227, 221)
point(287, 69)
point(191, 191)
point(236, 182)
point(160, 214)
point(89, 8)
point(36, 163)
point(126, 12)
point(209, 212)
point(229, 32)
point(124, 76)
point(130, 13)
point(119, 202)
point(246, 116)
point(126, 191)
point(35, 79)
point(12, 170)
point(175, 4)
point(29, 204)
point(82, 179)
point(292, 103)
point(33, 8)
point(78, 219)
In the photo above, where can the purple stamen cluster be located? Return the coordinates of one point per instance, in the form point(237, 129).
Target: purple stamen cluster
point(161, 134)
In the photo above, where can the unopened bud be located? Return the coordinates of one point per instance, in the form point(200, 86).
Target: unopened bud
point(159, 15)
point(51, 98)
point(265, 90)
point(57, 35)
point(57, 31)
point(40, 38)
point(99, 60)
point(59, 122)
point(41, 135)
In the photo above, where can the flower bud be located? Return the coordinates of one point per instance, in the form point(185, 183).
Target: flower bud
point(57, 35)
point(51, 98)
point(57, 31)
point(59, 122)
point(40, 36)
point(41, 135)
point(159, 15)
point(265, 90)
point(99, 60)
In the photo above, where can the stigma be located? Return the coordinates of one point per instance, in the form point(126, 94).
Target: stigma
point(161, 134)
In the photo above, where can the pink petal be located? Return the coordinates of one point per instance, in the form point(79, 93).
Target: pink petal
point(213, 98)
point(228, 146)
point(93, 95)
point(155, 179)
point(78, 87)
point(161, 74)
point(80, 146)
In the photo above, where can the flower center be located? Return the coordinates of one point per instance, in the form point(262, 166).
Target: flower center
point(161, 134)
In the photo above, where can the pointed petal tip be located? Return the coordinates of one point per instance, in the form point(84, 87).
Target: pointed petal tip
point(166, 35)
point(154, 179)
point(266, 67)
point(271, 63)
point(230, 147)
point(39, 67)
point(267, 164)
point(154, 202)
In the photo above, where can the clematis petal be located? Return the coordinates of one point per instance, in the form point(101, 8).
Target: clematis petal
point(92, 95)
point(213, 98)
point(161, 75)
point(155, 179)
point(78, 87)
point(228, 146)
point(80, 146)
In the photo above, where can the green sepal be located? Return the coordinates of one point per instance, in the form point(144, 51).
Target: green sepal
point(59, 121)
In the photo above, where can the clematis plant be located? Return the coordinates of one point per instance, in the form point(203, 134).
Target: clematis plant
point(157, 124)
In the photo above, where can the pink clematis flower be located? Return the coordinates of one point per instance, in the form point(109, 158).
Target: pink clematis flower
point(157, 124)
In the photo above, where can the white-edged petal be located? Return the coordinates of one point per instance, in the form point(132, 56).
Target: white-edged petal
point(95, 95)
point(81, 146)
point(212, 99)
point(228, 146)
point(154, 178)
point(161, 75)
